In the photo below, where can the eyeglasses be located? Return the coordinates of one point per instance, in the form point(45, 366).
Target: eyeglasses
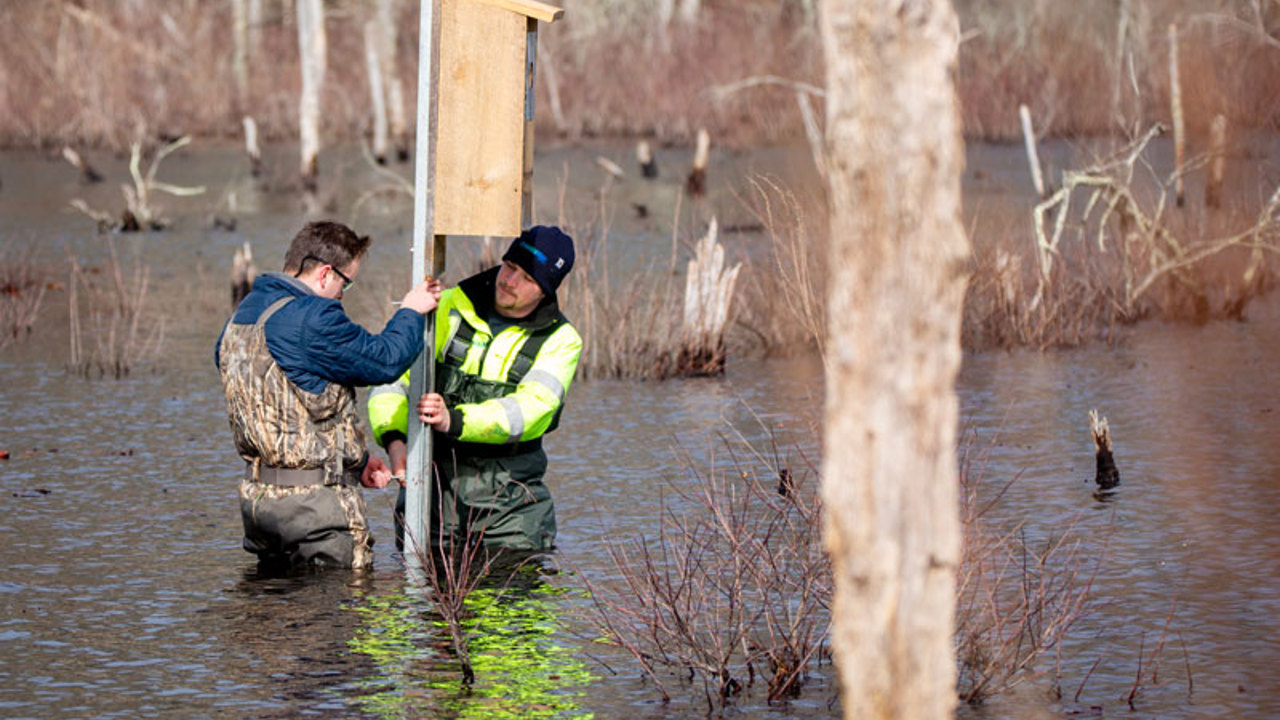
point(346, 281)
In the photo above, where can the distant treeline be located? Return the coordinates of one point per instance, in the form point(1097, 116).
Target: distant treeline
point(102, 72)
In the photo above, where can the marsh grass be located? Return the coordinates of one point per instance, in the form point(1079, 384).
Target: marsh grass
point(23, 284)
point(112, 329)
point(633, 320)
point(783, 306)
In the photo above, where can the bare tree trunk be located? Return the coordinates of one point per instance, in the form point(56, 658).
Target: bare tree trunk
point(1175, 109)
point(312, 46)
point(240, 51)
point(689, 10)
point(1122, 34)
point(898, 276)
point(373, 65)
point(1033, 154)
point(666, 12)
point(696, 183)
point(1217, 161)
point(255, 30)
point(389, 24)
point(251, 145)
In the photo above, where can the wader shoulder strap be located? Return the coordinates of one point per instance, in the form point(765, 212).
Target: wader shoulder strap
point(271, 310)
point(455, 350)
point(262, 319)
point(528, 352)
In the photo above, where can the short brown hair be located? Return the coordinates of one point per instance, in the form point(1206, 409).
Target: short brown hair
point(330, 242)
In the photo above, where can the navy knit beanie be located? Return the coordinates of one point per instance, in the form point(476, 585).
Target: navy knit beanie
point(546, 253)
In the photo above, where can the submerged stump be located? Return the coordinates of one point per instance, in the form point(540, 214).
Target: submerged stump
point(1106, 475)
point(243, 273)
point(696, 183)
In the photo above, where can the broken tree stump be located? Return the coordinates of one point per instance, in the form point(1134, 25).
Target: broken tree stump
point(87, 173)
point(696, 184)
point(243, 273)
point(1106, 475)
point(644, 156)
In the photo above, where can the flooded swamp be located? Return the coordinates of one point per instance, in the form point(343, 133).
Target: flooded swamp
point(125, 592)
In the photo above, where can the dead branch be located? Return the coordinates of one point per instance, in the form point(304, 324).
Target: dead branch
point(720, 93)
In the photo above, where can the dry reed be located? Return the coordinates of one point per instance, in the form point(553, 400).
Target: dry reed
point(111, 329)
point(23, 283)
point(651, 324)
point(784, 309)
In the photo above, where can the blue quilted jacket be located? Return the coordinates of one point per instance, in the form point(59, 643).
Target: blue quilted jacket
point(315, 343)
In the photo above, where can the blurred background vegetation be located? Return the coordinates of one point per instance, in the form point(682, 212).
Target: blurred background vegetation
point(102, 73)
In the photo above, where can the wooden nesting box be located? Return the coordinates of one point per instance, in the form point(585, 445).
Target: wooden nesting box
point(484, 126)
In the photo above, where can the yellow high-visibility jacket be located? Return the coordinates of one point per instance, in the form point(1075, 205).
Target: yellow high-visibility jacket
point(496, 393)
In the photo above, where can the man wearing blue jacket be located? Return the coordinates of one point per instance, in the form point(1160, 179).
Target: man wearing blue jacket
point(290, 360)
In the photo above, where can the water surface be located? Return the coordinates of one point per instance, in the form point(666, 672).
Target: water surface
point(125, 592)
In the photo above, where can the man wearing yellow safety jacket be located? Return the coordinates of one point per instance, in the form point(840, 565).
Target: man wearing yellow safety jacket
point(505, 356)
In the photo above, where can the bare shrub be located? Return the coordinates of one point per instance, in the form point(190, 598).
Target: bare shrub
point(453, 570)
point(1111, 249)
point(734, 585)
point(111, 329)
point(1017, 599)
point(23, 283)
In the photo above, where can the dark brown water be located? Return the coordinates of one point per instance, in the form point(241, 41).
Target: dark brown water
point(125, 593)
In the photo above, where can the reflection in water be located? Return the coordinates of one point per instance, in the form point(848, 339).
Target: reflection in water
point(290, 631)
point(522, 669)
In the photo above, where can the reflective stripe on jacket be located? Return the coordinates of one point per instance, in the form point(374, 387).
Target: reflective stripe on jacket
point(523, 411)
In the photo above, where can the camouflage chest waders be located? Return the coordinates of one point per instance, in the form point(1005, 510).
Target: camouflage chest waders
point(300, 497)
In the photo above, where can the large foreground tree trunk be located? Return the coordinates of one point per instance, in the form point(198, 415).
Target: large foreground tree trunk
point(897, 260)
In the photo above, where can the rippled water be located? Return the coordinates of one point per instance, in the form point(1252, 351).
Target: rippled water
point(125, 592)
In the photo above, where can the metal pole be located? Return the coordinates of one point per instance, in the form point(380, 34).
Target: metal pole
point(531, 61)
point(422, 375)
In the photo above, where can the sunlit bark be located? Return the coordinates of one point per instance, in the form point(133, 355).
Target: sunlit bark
point(898, 275)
